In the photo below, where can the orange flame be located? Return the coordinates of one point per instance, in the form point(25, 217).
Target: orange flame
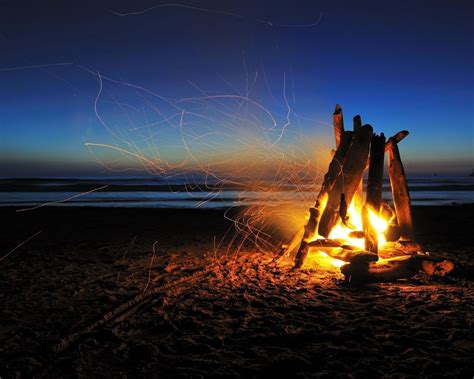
point(342, 233)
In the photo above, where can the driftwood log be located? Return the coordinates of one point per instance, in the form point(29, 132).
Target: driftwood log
point(357, 234)
point(392, 269)
point(294, 244)
point(330, 178)
point(374, 191)
point(308, 232)
point(338, 124)
point(347, 182)
point(396, 138)
point(342, 184)
point(352, 256)
point(357, 122)
point(401, 196)
point(324, 243)
point(392, 233)
point(408, 246)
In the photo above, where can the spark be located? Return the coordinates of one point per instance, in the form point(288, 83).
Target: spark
point(230, 140)
point(310, 25)
point(34, 66)
point(218, 12)
point(129, 247)
point(20, 245)
point(124, 256)
point(151, 266)
point(63, 200)
point(207, 10)
point(288, 114)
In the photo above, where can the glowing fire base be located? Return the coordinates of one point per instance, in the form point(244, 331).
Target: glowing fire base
point(358, 232)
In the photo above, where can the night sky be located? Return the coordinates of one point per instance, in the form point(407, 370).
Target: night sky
point(401, 66)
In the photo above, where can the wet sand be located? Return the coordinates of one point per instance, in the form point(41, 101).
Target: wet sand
point(231, 315)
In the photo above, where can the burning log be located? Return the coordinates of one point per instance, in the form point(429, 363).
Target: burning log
point(401, 196)
point(383, 271)
point(409, 246)
point(393, 231)
point(337, 162)
point(348, 180)
point(391, 252)
point(399, 248)
point(391, 269)
point(301, 255)
point(402, 258)
point(338, 124)
point(311, 226)
point(294, 244)
point(386, 210)
point(324, 243)
point(352, 256)
point(374, 190)
point(343, 142)
point(357, 234)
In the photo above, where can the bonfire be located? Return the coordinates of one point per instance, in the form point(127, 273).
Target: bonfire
point(358, 231)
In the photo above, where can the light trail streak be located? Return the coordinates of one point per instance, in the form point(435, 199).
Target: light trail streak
point(63, 200)
point(34, 66)
point(230, 141)
point(20, 245)
point(263, 21)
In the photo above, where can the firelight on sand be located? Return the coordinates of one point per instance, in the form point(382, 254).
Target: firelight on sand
point(325, 259)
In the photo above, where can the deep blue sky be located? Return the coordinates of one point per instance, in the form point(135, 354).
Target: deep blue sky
point(401, 66)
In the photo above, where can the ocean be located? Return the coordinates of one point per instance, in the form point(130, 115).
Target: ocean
point(180, 192)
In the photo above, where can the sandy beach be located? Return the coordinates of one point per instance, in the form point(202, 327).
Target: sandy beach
point(212, 314)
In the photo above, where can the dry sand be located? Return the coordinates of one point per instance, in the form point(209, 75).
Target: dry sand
point(234, 317)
